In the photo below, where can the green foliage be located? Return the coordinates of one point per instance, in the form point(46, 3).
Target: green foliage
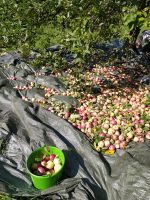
point(47, 36)
point(69, 22)
point(76, 24)
point(136, 17)
point(25, 50)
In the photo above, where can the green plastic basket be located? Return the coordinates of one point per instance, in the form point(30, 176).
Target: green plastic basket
point(46, 181)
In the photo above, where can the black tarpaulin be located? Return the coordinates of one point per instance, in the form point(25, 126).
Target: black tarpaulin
point(87, 175)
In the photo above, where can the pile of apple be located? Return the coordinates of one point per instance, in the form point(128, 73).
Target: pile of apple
point(48, 165)
point(116, 115)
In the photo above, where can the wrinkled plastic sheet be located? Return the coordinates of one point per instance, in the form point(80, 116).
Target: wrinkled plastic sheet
point(87, 174)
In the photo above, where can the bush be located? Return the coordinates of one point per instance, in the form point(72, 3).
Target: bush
point(73, 23)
